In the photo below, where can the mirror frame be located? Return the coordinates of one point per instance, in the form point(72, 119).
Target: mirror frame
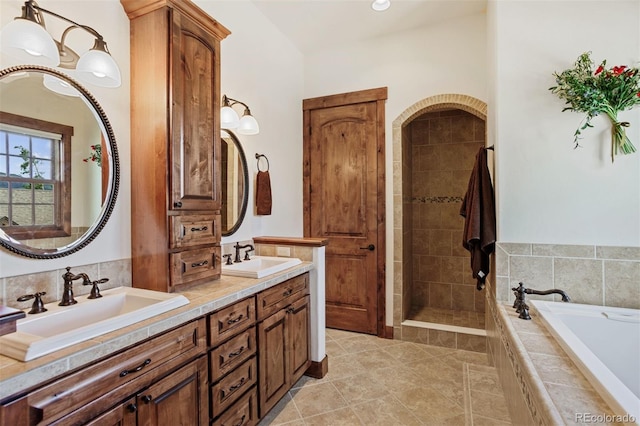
point(114, 182)
point(245, 195)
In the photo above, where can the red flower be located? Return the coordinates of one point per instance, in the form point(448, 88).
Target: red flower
point(638, 94)
point(599, 70)
point(619, 70)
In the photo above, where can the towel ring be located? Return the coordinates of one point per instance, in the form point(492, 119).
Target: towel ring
point(258, 156)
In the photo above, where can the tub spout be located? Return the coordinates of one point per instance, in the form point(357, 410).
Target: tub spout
point(565, 296)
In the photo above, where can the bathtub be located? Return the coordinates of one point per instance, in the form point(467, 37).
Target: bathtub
point(604, 342)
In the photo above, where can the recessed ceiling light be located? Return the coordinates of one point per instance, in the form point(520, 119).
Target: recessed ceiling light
point(380, 5)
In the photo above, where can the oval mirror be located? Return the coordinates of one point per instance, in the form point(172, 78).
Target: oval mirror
point(59, 168)
point(235, 177)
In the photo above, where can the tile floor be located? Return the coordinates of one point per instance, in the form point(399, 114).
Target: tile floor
point(448, 316)
point(373, 381)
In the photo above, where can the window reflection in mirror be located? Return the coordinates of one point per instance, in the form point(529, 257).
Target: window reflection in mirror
point(58, 163)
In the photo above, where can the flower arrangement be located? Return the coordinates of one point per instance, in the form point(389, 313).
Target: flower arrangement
point(603, 91)
point(95, 155)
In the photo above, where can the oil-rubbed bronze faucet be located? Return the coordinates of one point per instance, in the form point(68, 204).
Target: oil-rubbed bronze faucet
point(520, 304)
point(38, 306)
point(67, 292)
point(238, 247)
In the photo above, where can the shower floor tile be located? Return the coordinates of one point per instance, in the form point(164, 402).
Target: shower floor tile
point(416, 384)
point(448, 316)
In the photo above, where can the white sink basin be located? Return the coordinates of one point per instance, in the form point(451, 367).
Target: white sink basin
point(260, 266)
point(62, 326)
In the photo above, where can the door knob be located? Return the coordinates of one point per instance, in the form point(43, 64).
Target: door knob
point(370, 247)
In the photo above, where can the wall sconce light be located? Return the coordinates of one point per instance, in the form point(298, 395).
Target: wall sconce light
point(229, 119)
point(26, 38)
point(380, 5)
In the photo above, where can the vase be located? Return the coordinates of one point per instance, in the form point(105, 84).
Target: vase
point(620, 143)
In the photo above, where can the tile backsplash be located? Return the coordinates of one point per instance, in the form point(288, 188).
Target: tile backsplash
point(118, 272)
point(594, 275)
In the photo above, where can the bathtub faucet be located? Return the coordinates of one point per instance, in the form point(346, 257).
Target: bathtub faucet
point(520, 303)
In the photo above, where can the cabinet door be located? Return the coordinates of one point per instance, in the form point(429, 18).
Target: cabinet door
point(195, 144)
point(298, 328)
point(274, 363)
point(178, 399)
point(122, 415)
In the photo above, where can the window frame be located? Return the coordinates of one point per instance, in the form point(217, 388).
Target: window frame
point(62, 213)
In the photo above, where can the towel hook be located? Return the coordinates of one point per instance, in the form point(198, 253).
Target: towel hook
point(258, 156)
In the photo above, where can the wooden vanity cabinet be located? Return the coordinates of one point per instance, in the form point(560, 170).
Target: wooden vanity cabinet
point(232, 364)
point(164, 375)
point(283, 339)
point(175, 150)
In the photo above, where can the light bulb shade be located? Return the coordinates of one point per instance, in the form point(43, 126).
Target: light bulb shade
point(229, 118)
point(248, 125)
point(57, 85)
point(380, 5)
point(98, 67)
point(29, 42)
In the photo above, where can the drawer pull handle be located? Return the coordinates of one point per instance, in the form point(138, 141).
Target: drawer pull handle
point(288, 292)
point(204, 262)
point(177, 204)
point(138, 368)
point(202, 228)
point(146, 399)
point(236, 353)
point(241, 422)
point(235, 320)
point(132, 408)
point(290, 310)
point(237, 386)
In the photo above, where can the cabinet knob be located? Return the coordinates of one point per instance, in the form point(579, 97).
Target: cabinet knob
point(132, 408)
point(370, 247)
point(177, 204)
point(146, 399)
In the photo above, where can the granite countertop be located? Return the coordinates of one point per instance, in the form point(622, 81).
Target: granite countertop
point(17, 376)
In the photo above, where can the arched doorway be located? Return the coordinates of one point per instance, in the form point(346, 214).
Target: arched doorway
point(434, 144)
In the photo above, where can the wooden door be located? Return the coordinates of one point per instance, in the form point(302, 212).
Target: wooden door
point(195, 162)
point(344, 203)
point(178, 399)
point(298, 328)
point(273, 360)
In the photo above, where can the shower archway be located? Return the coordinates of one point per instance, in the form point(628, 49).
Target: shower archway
point(433, 141)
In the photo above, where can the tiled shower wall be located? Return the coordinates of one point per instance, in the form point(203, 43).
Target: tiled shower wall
point(594, 275)
point(441, 148)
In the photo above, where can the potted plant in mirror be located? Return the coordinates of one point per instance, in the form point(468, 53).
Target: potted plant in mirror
point(600, 91)
point(95, 155)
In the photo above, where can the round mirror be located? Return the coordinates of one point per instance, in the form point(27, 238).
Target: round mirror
point(235, 178)
point(59, 168)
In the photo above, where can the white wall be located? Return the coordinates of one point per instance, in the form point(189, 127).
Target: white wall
point(263, 69)
point(547, 191)
point(109, 19)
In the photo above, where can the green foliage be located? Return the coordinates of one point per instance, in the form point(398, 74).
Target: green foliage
point(27, 164)
point(603, 91)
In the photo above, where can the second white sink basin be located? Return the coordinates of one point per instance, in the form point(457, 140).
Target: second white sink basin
point(260, 266)
point(62, 326)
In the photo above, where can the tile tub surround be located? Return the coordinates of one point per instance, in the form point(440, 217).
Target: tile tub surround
point(544, 386)
point(593, 275)
point(118, 272)
point(16, 376)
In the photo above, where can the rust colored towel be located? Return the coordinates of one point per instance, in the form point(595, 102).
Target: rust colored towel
point(478, 209)
point(263, 193)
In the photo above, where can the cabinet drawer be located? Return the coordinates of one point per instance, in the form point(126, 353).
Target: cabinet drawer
point(228, 390)
point(242, 413)
point(191, 230)
point(92, 390)
point(195, 265)
point(226, 322)
point(227, 356)
point(281, 295)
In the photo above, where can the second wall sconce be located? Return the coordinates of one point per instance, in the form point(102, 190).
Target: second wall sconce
point(229, 119)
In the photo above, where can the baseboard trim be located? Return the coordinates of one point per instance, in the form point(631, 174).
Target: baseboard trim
point(318, 369)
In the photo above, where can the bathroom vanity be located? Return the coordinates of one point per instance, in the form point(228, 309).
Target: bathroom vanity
point(227, 357)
